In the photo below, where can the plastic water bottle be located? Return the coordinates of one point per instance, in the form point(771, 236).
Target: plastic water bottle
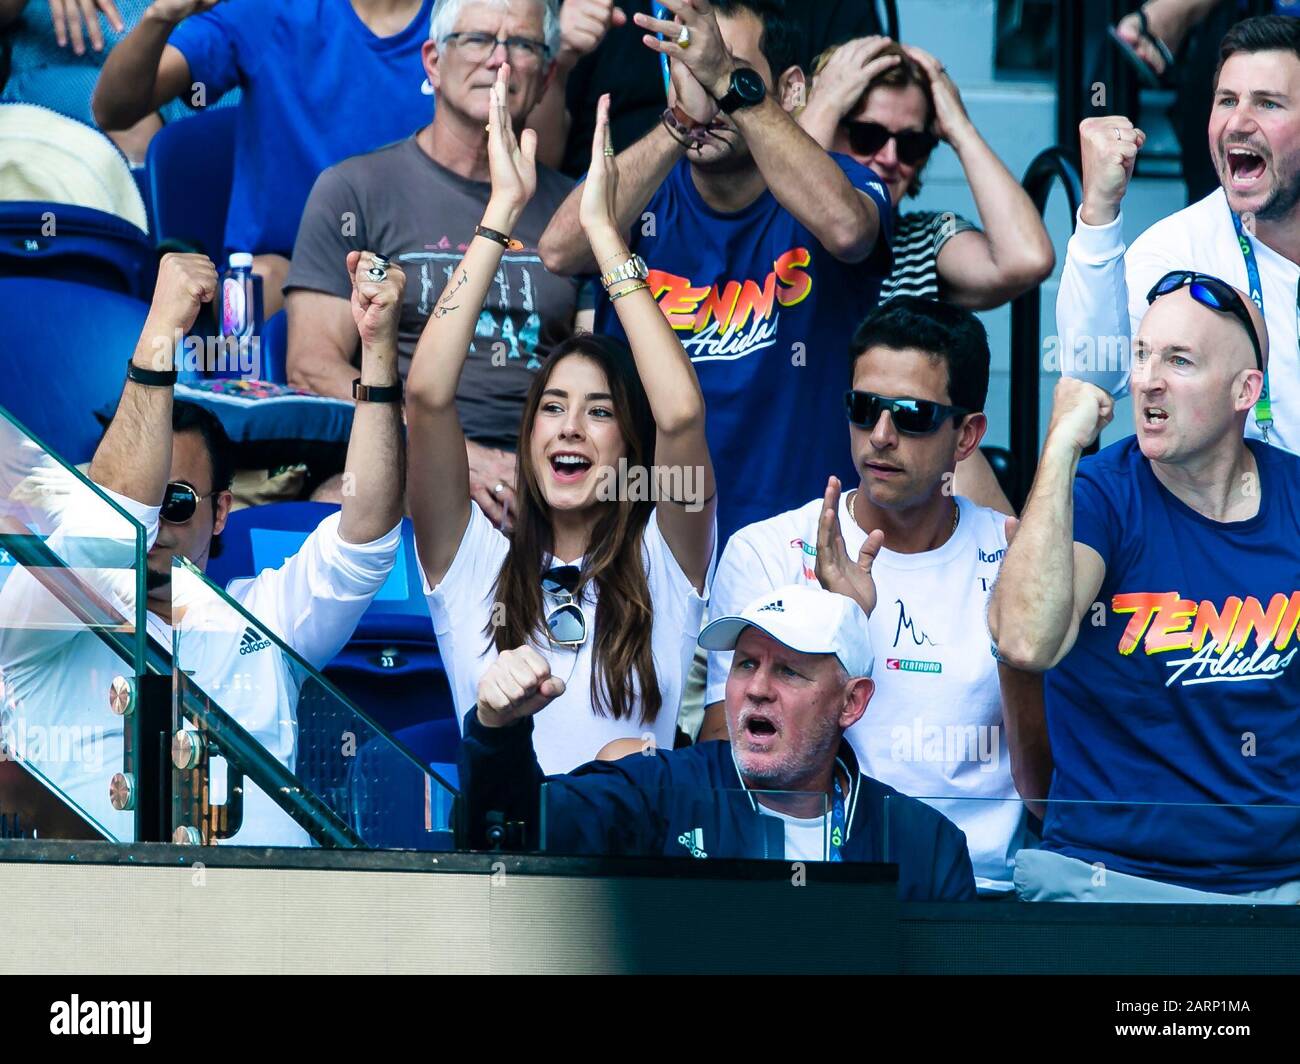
point(241, 318)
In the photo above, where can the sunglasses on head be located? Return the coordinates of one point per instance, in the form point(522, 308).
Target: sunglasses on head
point(912, 145)
point(566, 623)
point(180, 502)
point(1213, 293)
point(912, 417)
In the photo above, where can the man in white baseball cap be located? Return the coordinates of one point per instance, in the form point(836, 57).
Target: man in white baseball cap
point(800, 676)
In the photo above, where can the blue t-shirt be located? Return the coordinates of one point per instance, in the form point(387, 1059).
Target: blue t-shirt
point(318, 87)
point(766, 315)
point(1176, 698)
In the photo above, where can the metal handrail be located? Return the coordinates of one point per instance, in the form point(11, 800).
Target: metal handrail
point(1048, 166)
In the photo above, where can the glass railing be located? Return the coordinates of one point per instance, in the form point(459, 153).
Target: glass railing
point(74, 650)
point(736, 823)
point(1159, 852)
point(266, 752)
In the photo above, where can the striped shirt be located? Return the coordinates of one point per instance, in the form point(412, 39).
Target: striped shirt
point(918, 239)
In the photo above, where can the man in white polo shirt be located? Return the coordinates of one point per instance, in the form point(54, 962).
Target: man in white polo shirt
point(934, 727)
point(169, 466)
point(1246, 232)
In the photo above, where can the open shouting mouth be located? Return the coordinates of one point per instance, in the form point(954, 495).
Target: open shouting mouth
point(1246, 166)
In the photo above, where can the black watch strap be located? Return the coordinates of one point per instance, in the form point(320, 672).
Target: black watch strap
point(371, 393)
point(150, 378)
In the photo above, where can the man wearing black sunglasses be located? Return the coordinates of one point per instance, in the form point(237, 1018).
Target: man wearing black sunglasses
point(1158, 585)
point(168, 465)
point(919, 380)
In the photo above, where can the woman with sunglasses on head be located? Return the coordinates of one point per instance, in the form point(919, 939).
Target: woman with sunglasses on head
point(601, 582)
point(888, 106)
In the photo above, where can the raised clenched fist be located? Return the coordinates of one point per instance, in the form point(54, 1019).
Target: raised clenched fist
point(1079, 412)
point(377, 287)
point(516, 685)
point(1108, 148)
point(185, 283)
point(583, 25)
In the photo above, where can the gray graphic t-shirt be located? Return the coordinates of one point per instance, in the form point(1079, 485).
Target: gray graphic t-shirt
point(399, 202)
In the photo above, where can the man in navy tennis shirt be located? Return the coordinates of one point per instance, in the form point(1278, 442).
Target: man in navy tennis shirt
point(785, 786)
point(763, 251)
point(1159, 585)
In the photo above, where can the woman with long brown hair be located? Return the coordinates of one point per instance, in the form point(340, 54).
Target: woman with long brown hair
point(604, 572)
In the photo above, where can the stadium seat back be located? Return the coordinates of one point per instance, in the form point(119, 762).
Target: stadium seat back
point(191, 170)
point(61, 242)
point(63, 354)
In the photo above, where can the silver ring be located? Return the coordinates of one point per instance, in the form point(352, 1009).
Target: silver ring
point(684, 37)
point(1118, 134)
point(499, 489)
point(382, 261)
point(376, 273)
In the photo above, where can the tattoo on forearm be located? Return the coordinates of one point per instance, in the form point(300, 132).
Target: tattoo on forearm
point(444, 307)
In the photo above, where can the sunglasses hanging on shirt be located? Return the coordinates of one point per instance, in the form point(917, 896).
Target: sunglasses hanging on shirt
point(867, 138)
point(566, 623)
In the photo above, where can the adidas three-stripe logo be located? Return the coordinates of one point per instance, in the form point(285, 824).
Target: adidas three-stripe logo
point(778, 606)
point(252, 641)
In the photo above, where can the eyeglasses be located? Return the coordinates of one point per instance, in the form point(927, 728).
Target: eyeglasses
point(566, 623)
point(1213, 293)
point(476, 47)
point(180, 502)
point(912, 417)
point(912, 145)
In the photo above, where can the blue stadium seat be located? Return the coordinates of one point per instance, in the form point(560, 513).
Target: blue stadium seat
point(63, 354)
point(390, 667)
point(68, 243)
point(191, 168)
point(274, 347)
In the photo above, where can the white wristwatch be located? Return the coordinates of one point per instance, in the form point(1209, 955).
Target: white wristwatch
point(634, 269)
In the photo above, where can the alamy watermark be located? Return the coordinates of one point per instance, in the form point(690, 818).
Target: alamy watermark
point(679, 484)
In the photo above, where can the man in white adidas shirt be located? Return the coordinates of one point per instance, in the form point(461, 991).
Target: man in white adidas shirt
point(1254, 135)
point(56, 674)
point(934, 728)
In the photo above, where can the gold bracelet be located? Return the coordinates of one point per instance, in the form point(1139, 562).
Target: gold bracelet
point(627, 291)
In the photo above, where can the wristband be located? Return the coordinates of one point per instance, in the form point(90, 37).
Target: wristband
point(498, 238)
point(376, 393)
point(684, 129)
point(627, 291)
point(150, 378)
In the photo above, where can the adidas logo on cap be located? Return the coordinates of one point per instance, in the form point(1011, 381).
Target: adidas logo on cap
point(777, 607)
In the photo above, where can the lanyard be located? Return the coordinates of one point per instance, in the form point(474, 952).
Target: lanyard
point(839, 826)
point(1263, 408)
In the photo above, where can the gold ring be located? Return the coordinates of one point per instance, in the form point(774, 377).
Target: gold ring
point(684, 38)
point(610, 153)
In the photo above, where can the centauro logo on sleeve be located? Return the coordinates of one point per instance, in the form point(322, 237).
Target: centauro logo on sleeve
point(732, 319)
point(1219, 638)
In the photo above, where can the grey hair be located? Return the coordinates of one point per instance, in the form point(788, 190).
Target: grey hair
point(445, 12)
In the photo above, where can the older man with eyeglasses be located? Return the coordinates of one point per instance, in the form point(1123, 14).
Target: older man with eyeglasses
point(418, 200)
point(169, 466)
